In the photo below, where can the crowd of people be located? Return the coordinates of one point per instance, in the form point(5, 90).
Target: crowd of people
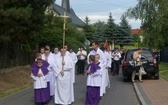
point(54, 73)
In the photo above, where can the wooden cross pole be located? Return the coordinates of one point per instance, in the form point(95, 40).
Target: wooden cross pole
point(63, 39)
point(64, 28)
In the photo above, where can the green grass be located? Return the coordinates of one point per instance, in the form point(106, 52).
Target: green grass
point(164, 70)
point(163, 66)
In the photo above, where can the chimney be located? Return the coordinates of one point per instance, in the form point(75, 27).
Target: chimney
point(66, 5)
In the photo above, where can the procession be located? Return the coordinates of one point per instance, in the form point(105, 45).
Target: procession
point(83, 52)
point(54, 74)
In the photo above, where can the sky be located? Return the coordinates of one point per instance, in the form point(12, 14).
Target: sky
point(99, 10)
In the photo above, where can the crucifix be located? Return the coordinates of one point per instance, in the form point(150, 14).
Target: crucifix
point(64, 28)
point(63, 40)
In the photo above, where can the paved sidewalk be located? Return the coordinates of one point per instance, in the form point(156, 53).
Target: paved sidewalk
point(156, 91)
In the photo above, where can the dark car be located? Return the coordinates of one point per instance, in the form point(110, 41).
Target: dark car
point(149, 63)
point(157, 55)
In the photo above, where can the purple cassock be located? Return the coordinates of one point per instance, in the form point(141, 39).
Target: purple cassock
point(40, 95)
point(93, 92)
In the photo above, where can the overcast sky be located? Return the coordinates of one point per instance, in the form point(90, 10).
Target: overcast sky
point(100, 9)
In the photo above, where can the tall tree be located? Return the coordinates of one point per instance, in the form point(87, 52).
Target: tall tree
point(153, 15)
point(88, 29)
point(21, 20)
point(99, 31)
point(110, 31)
point(20, 24)
point(123, 36)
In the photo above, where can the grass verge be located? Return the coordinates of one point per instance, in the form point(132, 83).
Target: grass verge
point(164, 70)
point(14, 80)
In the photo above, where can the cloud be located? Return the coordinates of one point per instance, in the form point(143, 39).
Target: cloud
point(99, 11)
point(104, 16)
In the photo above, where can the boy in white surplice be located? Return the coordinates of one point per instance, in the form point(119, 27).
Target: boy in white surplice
point(93, 82)
point(39, 73)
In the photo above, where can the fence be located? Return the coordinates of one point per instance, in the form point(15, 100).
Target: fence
point(12, 55)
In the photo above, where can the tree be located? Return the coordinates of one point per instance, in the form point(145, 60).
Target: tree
point(110, 31)
point(20, 24)
point(123, 36)
point(136, 38)
point(22, 20)
point(153, 15)
point(52, 33)
point(88, 29)
point(99, 31)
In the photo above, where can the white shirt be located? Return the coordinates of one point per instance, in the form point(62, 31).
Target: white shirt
point(79, 53)
point(116, 56)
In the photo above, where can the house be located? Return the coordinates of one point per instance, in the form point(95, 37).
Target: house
point(139, 32)
point(65, 7)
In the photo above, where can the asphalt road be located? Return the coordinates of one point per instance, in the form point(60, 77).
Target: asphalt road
point(119, 93)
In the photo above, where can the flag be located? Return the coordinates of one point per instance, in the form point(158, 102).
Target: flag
point(106, 44)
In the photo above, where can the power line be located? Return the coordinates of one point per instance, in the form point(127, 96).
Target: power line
point(108, 3)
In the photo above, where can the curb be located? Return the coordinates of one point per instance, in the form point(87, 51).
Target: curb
point(163, 77)
point(139, 95)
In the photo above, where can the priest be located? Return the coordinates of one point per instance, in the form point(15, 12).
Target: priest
point(74, 60)
point(48, 56)
point(63, 85)
point(96, 50)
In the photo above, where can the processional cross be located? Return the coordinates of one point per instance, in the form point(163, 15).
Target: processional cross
point(63, 39)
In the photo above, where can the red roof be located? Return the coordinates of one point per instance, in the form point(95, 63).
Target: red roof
point(137, 31)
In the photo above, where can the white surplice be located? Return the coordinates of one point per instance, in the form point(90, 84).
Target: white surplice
point(101, 54)
point(94, 79)
point(67, 53)
point(74, 60)
point(102, 78)
point(105, 60)
point(50, 76)
point(56, 55)
point(107, 64)
point(39, 82)
point(64, 93)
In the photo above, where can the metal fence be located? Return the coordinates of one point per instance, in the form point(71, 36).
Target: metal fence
point(164, 55)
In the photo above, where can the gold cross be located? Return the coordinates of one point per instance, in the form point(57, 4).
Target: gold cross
point(63, 42)
point(64, 17)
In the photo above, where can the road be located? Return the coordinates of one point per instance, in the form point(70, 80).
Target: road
point(119, 93)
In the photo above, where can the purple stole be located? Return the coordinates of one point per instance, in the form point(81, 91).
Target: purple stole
point(94, 67)
point(35, 68)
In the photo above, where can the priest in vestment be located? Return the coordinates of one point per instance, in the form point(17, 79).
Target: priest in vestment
point(107, 65)
point(63, 85)
point(48, 56)
point(97, 50)
point(74, 60)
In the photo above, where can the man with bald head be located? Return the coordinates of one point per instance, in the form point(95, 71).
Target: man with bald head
point(63, 85)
